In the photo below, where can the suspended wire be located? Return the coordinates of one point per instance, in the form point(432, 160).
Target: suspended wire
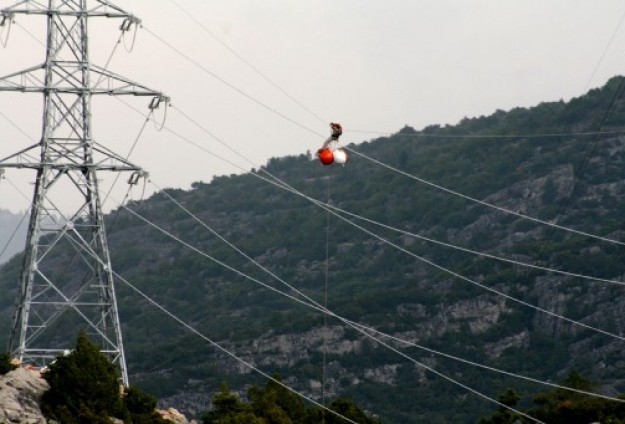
point(325, 298)
point(590, 150)
point(278, 382)
point(486, 136)
point(473, 252)
point(230, 85)
point(303, 106)
point(30, 34)
point(473, 282)
point(132, 148)
point(311, 303)
point(449, 271)
point(18, 189)
point(358, 327)
point(89, 250)
point(449, 191)
point(13, 234)
point(435, 265)
point(226, 351)
point(208, 152)
point(276, 181)
point(605, 51)
point(245, 62)
point(14, 125)
point(240, 273)
point(414, 177)
point(483, 203)
point(466, 197)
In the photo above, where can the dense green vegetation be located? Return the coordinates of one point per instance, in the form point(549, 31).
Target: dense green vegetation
point(5, 364)
point(85, 389)
point(560, 406)
point(274, 404)
point(539, 161)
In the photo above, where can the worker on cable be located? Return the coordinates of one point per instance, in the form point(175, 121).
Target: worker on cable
point(337, 130)
point(328, 154)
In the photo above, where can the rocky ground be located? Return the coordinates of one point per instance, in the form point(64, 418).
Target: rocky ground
point(21, 390)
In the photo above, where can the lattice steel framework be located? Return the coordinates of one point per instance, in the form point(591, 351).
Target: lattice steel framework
point(68, 159)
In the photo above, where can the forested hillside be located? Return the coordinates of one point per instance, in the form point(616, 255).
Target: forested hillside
point(561, 162)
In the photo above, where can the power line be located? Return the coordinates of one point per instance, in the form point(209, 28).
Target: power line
point(157, 305)
point(438, 373)
point(321, 308)
point(226, 351)
point(481, 202)
point(485, 136)
point(439, 187)
point(421, 180)
point(471, 251)
point(230, 85)
point(605, 51)
point(450, 272)
point(476, 283)
point(245, 61)
point(283, 185)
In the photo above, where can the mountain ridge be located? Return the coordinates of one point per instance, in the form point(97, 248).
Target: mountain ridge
point(545, 164)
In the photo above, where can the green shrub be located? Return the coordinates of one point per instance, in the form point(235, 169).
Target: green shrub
point(5, 364)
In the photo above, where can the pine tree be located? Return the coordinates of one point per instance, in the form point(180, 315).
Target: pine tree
point(84, 385)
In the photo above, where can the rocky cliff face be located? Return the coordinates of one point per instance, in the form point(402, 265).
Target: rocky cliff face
point(20, 392)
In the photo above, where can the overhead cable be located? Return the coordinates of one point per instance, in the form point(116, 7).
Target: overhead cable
point(457, 275)
point(310, 302)
point(223, 264)
point(245, 62)
point(481, 202)
point(230, 85)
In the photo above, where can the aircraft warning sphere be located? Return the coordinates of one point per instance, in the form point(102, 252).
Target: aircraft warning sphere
point(326, 156)
point(340, 156)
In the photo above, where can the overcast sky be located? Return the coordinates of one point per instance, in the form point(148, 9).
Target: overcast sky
point(372, 65)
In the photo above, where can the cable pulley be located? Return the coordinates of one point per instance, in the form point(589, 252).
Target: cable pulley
point(157, 100)
point(155, 104)
point(128, 23)
point(136, 176)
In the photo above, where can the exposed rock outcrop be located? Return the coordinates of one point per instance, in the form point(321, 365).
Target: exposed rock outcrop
point(20, 392)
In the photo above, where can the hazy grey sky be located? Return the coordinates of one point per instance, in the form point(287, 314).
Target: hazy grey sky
point(372, 65)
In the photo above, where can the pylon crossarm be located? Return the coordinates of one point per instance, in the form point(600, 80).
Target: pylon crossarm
point(110, 83)
point(107, 82)
point(25, 81)
point(114, 157)
point(67, 8)
point(105, 160)
point(21, 157)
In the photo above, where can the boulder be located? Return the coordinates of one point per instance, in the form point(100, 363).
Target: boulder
point(20, 392)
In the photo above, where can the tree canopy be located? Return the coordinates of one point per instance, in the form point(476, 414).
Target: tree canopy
point(275, 404)
point(85, 389)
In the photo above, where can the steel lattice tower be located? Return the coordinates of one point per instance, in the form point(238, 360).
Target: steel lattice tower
point(67, 159)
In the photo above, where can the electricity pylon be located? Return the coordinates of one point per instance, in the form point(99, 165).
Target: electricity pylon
point(67, 159)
